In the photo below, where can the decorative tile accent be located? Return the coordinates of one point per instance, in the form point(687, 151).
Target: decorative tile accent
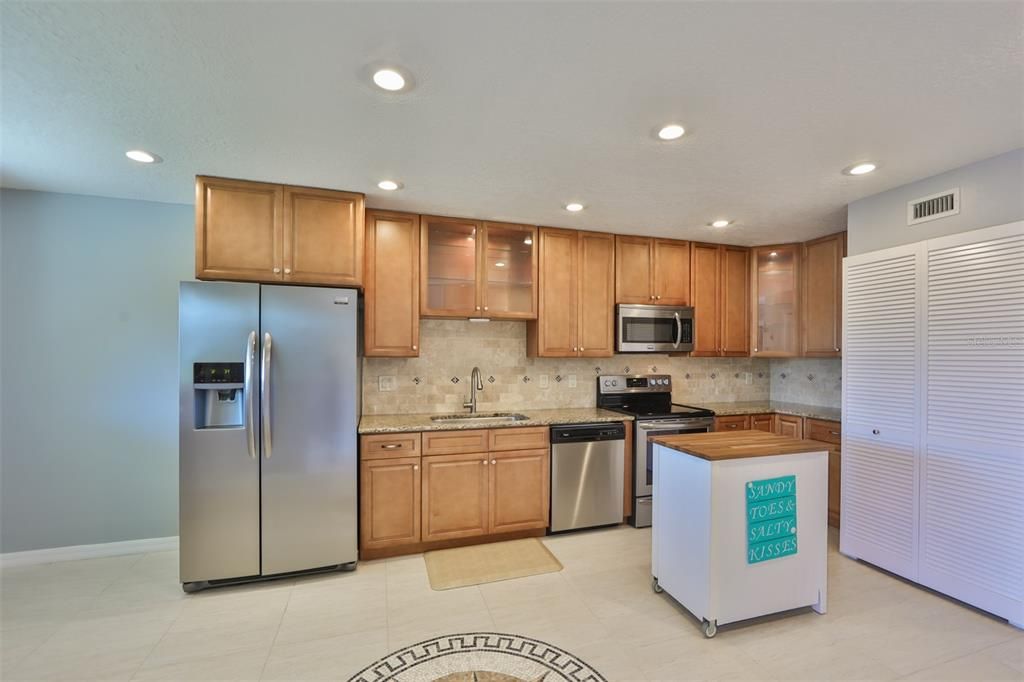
point(625, 370)
point(416, 380)
point(654, 369)
point(558, 378)
point(455, 380)
point(597, 370)
point(526, 379)
point(810, 377)
point(714, 375)
point(490, 379)
point(782, 375)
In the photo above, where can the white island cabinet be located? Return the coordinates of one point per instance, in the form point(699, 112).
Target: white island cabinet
point(740, 524)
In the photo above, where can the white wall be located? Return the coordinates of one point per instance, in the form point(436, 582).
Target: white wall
point(88, 430)
point(991, 193)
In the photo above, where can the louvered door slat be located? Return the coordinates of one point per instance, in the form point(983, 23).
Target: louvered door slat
point(880, 410)
point(972, 478)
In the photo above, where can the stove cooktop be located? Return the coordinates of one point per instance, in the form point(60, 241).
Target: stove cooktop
point(674, 411)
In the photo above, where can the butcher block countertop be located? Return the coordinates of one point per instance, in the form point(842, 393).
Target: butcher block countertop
point(738, 445)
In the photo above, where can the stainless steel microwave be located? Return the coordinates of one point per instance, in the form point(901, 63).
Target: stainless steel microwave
point(653, 328)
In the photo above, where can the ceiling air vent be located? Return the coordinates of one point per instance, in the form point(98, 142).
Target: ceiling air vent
point(933, 206)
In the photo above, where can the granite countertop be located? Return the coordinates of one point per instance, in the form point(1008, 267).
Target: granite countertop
point(738, 445)
point(395, 423)
point(762, 406)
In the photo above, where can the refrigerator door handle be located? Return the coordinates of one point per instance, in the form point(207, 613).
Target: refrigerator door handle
point(250, 397)
point(265, 393)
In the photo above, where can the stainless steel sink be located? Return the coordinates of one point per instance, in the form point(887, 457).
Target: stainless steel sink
point(485, 418)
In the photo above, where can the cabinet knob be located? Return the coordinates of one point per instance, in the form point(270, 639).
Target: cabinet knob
point(652, 297)
point(494, 461)
point(582, 349)
point(277, 270)
point(574, 348)
point(484, 462)
point(478, 307)
point(837, 348)
point(485, 307)
point(415, 467)
point(414, 347)
point(755, 350)
point(287, 271)
point(875, 431)
point(658, 297)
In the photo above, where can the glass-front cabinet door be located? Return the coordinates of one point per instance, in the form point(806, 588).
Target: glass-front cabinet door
point(775, 332)
point(449, 266)
point(509, 271)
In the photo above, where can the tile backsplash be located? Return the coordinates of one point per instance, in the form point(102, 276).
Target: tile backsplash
point(811, 381)
point(438, 380)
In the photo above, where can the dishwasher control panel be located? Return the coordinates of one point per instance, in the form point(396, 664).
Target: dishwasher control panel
point(580, 433)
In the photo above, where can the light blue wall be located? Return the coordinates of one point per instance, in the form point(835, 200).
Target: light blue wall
point(88, 355)
point(991, 193)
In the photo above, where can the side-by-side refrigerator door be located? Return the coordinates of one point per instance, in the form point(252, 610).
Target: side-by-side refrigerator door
point(310, 394)
point(219, 487)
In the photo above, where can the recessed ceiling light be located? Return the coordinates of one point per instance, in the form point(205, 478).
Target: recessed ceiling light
point(388, 185)
point(860, 169)
point(721, 223)
point(574, 207)
point(671, 132)
point(389, 79)
point(142, 156)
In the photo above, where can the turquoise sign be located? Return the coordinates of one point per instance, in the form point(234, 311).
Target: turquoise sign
point(771, 519)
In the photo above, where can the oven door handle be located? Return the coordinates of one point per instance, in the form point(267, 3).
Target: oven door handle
point(679, 331)
point(666, 424)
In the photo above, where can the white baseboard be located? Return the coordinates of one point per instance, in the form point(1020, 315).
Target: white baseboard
point(76, 552)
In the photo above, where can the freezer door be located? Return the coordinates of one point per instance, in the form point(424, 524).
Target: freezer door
point(308, 446)
point(219, 488)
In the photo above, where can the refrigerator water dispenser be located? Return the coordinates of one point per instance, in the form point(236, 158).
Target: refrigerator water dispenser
point(220, 394)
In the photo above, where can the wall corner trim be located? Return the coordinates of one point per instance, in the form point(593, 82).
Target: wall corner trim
point(77, 552)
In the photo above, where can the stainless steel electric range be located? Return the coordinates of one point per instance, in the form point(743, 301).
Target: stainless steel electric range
point(648, 398)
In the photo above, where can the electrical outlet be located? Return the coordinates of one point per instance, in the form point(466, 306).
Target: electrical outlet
point(387, 383)
point(572, 381)
point(542, 381)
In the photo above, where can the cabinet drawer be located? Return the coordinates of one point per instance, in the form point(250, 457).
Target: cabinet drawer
point(454, 442)
point(523, 438)
point(825, 431)
point(382, 445)
point(739, 422)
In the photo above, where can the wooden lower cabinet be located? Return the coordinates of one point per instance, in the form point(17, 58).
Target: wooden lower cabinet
point(519, 490)
point(831, 433)
point(455, 496)
point(737, 422)
point(763, 422)
point(389, 508)
point(789, 425)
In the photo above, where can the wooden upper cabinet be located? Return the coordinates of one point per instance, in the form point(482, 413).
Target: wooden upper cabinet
point(554, 332)
point(705, 285)
point(323, 237)
point(576, 305)
point(596, 301)
point(449, 267)
point(822, 296)
point(652, 271)
point(671, 272)
point(455, 496)
point(261, 232)
point(634, 269)
point(239, 230)
point(392, 271)
point(508, 271)
point(469, 268)
point(519, 490)
point(734, 306)
point(775, 286)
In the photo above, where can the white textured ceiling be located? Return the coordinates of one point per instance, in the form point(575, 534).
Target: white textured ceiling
point(520, 107)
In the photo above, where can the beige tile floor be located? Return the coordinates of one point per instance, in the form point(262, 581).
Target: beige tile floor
point(126, 618)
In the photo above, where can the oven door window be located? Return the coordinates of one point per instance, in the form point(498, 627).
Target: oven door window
point(666, 432)
point(649, 330)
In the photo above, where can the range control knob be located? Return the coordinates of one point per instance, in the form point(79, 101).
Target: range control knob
point(615, 382)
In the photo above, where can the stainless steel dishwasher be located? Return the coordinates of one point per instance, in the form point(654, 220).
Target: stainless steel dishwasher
point(587, 469)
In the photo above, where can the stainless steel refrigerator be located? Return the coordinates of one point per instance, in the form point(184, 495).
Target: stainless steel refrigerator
point(269, 403)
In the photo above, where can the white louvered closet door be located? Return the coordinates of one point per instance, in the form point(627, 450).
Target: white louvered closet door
point(881, 408)
point(972, 479)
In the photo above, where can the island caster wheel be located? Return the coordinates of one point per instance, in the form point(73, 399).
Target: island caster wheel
point(710, 628)
point(655, 586)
